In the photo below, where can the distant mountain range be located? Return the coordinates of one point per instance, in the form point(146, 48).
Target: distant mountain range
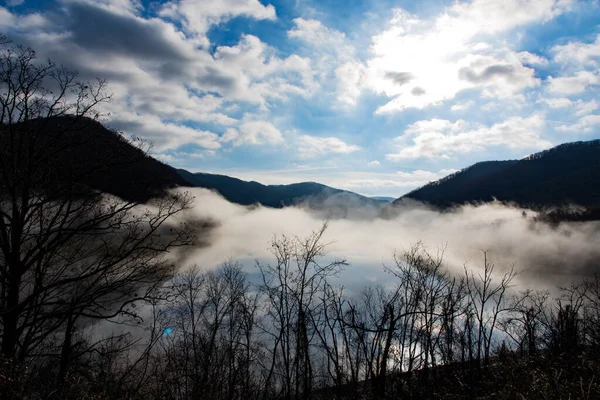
point(568, 174)
point(312, 194)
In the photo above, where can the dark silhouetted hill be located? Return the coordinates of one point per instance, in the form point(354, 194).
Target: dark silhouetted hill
point(568, 174)
point(82, 153)
point(314, 195)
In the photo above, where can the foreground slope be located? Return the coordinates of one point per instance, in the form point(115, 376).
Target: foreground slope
point(564, 175)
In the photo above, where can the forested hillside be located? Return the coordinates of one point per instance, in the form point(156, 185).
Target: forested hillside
point(568, 174)
point(81, 151)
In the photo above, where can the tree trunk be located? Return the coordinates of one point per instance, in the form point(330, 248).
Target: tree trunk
point(10, 319)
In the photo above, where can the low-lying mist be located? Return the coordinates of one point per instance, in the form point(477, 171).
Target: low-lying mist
point(545, 256)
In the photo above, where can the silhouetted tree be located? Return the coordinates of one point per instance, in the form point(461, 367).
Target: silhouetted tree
point(69, 255)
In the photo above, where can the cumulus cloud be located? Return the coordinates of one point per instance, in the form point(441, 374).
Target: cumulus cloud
point(320, 37)
point(263, 75)
point(351, 77)
point(578, 52)
point(199, 15)
point(163, 83)
point(585, 124)
point(443, 138)
point(313, 146)
point(557, 102)
point(532, 59)
point(128, 35)
point(462, 106)
point(253, 133)
point(574, 84)
point(22, 23)
point(459, 49)
point(163, 135)
point(586, 107)
point(328, 49)
point(580, 107)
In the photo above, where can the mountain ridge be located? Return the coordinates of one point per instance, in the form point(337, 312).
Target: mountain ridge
point(567, 174)
point(277, 196)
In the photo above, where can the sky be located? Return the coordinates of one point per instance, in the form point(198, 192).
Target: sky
point(373, 96)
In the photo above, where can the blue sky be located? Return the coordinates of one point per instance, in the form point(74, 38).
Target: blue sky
point(374, 96)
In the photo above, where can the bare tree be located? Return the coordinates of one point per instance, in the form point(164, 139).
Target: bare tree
point(526, 321)
point(488, 301)
point(210, 348)
point(291, 289)
point(69, 254)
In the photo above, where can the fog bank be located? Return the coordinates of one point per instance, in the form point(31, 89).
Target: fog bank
point(546, 256)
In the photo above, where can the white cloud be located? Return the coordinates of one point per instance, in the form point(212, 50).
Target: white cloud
point(419, 63)
point(587, 124)
point(253, 133)
point(257, 75)
point(182, 104)
point(577, 52)
point(420, 177)
point(161, 76)
point(182, 159)
point(313, 146)
point(585, 107)
point(21, 23)
point(532, 59)
point(465, 105)
point(199, 15)
point(317, 35)
point(230, 135)
point(162, 135)
point(582, 107)
point(130, 7)
point(328, 49)
point(557, 102)
point(498, 76)
point(507, 14)
point(578, 83)
point(374, 164)
point(384, 182)
point(442, 138)
point(6, 17)
point(202, 154)
point(351, 78)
